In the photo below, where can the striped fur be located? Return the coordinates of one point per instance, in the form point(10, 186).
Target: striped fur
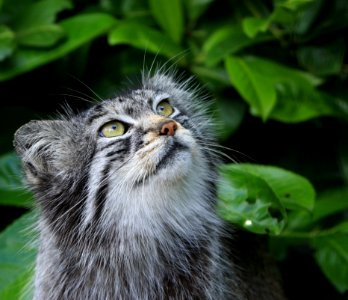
point(131, 217)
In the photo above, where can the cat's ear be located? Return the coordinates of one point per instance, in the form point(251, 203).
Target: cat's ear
point(41, 146)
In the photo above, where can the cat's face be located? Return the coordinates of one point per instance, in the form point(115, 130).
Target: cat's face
point(142, 149)
point(140, 138)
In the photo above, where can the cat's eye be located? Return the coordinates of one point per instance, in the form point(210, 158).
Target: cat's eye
point(164, 108)
point(112, 129)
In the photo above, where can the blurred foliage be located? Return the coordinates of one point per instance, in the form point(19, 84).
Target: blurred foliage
point(278, 71)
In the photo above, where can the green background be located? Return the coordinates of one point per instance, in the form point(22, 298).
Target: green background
point(277, 73)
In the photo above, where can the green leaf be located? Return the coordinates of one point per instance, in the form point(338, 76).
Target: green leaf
point(323, 60)
point(195, 8)
point(132, 8)
point(41, 36)
point(169, 15)
point(226, 41)
point(12, 190)
point(40, 13)
point(293, 4)
point(143, 37)
point(332, 257)
point(283, 17)
point(249, 201)
point(292, 190)
point(79, 30)
point(255, 196)
point(7, 42)
point(341, 228)
point(305, 18)
point(252, 26)
point(328, 203)
point(17, 258)
point(212, 76)
point(256, 88)
point(279, 92)
point(298, 102)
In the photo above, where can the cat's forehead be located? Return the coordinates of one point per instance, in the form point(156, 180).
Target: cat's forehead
point(133, 103)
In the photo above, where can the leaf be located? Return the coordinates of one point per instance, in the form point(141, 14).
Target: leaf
point(40, 13)
point(298, 102)
point(334, 21)
point(255, 196)
point(305, 18)
point(341, 228)
point(256, 88)
point(213, 76)
point(41, 36)
point(292, 190)
point(284, 18)
point(195, 8)
point(132, 8)
point(279, 92)
point(169, 15)
point(332, 257)
point(252, 26)
point(293, 4)
point(12, 190)
point(79, 30)
point(323, 60)
point(329, 202)
point(249, 201)
point(7, 42)
point(143, 37)
point(226, 41)
point(17, 258)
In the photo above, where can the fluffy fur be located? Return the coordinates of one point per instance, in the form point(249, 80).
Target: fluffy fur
point(132, 217)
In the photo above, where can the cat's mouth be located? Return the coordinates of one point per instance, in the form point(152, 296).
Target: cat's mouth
point(166, 157)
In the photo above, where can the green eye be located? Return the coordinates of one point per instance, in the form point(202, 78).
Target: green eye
point(164, 108)
point(112, 129)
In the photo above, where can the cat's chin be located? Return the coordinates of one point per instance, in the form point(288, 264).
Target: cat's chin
point(166, 160)
point(170, 164)
point(174, 166)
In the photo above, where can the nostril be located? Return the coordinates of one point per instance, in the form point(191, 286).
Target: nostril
point(168, 128)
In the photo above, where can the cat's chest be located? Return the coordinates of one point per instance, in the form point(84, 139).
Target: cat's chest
point(137, 269)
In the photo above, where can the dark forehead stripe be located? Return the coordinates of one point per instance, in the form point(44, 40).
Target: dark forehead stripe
point(96, 113)
point(150, 101)
point(145, 95)
point(129, 110)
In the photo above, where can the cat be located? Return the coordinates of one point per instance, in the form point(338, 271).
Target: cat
point(126, 193)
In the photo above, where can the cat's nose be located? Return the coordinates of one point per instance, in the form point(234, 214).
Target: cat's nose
point(168, 128)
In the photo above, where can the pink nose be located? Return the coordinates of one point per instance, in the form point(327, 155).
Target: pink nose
point(168, 128)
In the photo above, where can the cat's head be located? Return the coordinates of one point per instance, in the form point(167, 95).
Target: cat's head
point(149, 146)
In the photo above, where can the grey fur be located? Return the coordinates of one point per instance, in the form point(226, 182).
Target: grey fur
point(120, 219)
